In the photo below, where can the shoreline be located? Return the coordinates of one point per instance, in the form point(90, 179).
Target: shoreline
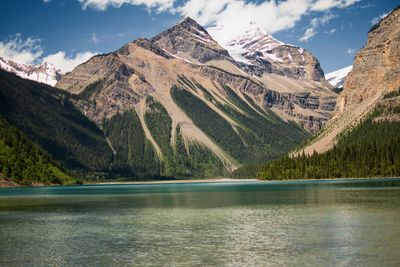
point(7, 183)
point(217, 180)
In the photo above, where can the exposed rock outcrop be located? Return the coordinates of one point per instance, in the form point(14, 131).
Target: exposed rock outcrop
point(376, 71)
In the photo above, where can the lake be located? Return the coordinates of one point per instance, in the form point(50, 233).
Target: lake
point(289, 223)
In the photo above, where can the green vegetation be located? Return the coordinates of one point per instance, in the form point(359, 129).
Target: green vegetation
point(25, 162)
point(179, 162)
point(258, 138)
point(49, 119)
point(371, 149)
point(135, 155)
point(90, 90)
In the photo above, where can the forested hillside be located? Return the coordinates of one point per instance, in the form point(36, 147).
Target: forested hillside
point(25, 162)
point(48, 118)
point(371, 149)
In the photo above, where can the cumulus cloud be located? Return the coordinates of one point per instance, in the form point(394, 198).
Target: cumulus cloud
point(30, 51)
point(21, 50)
point(224, 19)
point(65, 63)
point(159, 5)
point(314, 23)
point(310, 32)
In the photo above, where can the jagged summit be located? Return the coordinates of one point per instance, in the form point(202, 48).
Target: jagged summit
point(255, 39)
point(262, 53)
point(45, 73)
point(188, 23)
point(188, 40)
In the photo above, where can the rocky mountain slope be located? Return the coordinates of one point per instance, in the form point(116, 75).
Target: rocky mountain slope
point(299, 89)
point(376, 71)
point(45, 73)
point(197, 111)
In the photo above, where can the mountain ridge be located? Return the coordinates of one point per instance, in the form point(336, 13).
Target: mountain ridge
point(45, 73)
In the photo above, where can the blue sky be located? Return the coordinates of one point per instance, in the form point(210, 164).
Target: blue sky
point(67, 32)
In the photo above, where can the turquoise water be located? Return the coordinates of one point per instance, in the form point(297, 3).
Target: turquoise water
point(323, 223)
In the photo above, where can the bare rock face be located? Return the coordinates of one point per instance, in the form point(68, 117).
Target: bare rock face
point(376, 68)
point(259, 52)
point(309, 110)
point(106, 85)
point(188, 38)
point(376, 71)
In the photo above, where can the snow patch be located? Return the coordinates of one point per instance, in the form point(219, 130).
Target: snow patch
point(338, 77)
point(45, 73)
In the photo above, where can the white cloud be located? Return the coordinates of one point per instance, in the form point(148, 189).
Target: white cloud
point(314, 23)
point(21, 50)
point(350, 51)
point(310, 32)
point(323, 5)
point(159, 5)
point(65, 63)
point(379, 18)
point(95, 40)
point(332, 31)
point(224, 19)
point(318, 21)
point(30, 51)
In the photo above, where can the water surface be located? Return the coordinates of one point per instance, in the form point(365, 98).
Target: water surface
point(291, 223)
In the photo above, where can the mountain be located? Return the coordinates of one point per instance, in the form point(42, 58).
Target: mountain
point(179, 105)
point(338, 77)
point(370, 149)
point(362, 139)
point(262, 53)
point(189, 41)
point(376, 72)
point(45, 73)
point(299, 89)
point(48, 119)
point(25, 162)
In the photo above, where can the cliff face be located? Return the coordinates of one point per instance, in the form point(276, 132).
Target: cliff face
point(376, 71)
point(376, 66)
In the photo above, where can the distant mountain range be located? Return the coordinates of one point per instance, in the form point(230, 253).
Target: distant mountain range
point(45, 73)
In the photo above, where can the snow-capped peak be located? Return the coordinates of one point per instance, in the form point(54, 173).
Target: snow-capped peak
point(45, 73)
point(337, 78)
point(253, 40)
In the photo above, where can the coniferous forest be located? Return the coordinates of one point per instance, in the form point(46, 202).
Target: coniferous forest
point(371, 149)
point(25, 162)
